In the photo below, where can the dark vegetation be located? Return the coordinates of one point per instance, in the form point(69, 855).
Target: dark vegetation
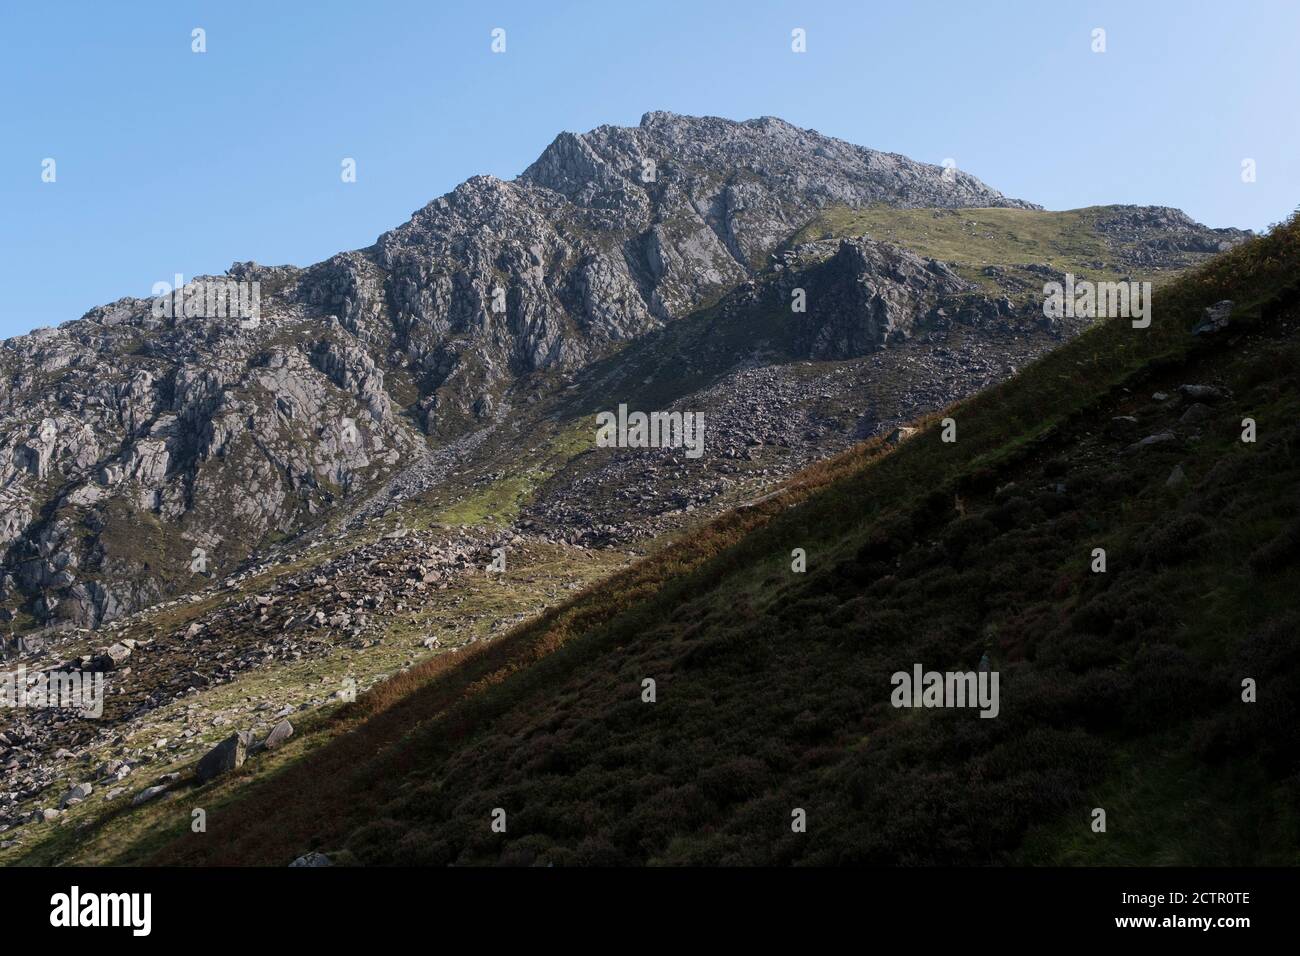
point(1119, 690)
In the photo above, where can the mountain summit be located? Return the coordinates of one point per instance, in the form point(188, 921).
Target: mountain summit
point(145, 449)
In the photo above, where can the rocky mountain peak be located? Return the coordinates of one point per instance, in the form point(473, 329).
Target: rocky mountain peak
point(792, 164)
point(142, 452)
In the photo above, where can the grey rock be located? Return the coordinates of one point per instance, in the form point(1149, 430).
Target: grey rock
point(115, 770)
point(866, 295)
point(1217, 318)
point(225, 756)
point(1148, 234)
point(76, 794)
point(111, 658)
point(1201, 393)
point(1160, 438)
point(281, 732)
point(1121, 426)
point(148, 794)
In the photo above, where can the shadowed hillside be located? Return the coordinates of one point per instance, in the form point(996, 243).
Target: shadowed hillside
point(1119, 690)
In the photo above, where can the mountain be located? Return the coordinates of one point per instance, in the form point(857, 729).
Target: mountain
point(133, 443)
point(1162, 689)
point(216, 507)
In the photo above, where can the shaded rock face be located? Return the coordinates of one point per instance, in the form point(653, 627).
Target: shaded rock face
point(869, 293)
point(847, 298)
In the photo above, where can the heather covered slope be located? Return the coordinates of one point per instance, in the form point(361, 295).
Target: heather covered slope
point(1119, 690)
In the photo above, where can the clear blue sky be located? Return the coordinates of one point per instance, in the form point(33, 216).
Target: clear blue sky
point(170, 161)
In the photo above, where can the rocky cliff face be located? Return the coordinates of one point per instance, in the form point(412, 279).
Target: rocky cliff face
point(143, 453)
point(607, 236)
point(139, 452)
point(867, 294)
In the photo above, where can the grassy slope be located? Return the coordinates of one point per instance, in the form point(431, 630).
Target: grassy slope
point(1119, 690)
point(1010, 239)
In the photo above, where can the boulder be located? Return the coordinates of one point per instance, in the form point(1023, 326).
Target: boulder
point(76, 794)
point(110, 658)
point(225, 756)
point(1122, 426)
point(149, 793)
point(1201, 393)
point(278, 735)
point(1217, 318)
point(1160, 438)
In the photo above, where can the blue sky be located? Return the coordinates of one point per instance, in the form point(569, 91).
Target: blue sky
point(168, 161)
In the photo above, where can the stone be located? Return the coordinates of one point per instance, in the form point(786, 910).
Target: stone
point(111, 658)
point(1216, 318)
point(224, 757)
point(115, 770)
point(281, 732)
point(312, 859)
point(1121, 426)
point(1160, 438)
point(148, 794)
point(76, 794)
point(1201, 393)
